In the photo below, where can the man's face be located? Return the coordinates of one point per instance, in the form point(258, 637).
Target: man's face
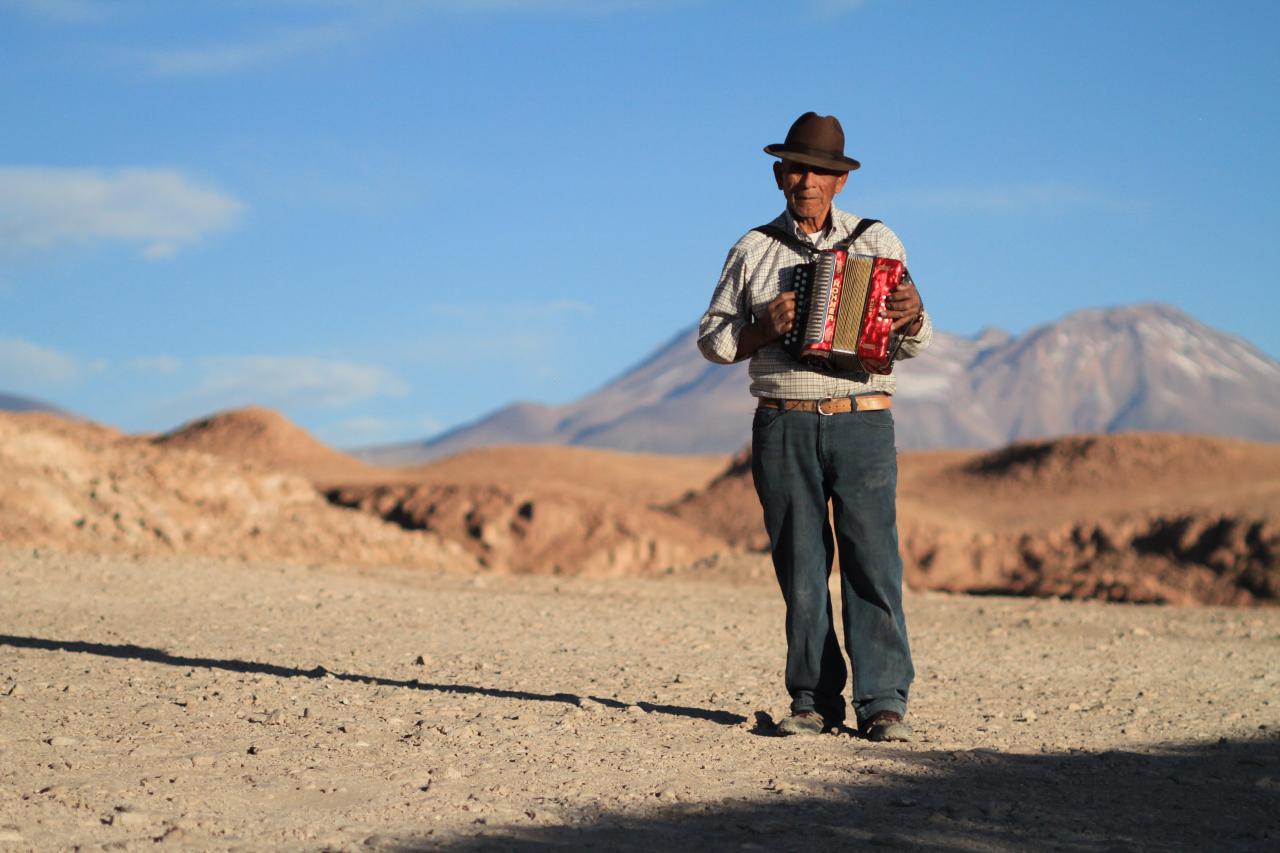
point(809, 189)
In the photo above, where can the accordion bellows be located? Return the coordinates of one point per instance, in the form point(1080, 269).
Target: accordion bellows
point(839, 300)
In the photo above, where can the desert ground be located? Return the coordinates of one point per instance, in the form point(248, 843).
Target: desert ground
point(209, 640)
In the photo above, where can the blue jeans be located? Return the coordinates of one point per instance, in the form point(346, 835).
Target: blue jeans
point(801, 461)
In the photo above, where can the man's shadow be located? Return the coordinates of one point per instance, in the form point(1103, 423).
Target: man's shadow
point(150, 655)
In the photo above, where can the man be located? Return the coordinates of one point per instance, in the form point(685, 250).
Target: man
point(802, 459)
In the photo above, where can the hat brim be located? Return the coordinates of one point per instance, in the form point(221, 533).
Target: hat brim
point(838, 164)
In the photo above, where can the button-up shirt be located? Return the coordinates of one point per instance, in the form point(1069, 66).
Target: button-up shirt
point(757, 270)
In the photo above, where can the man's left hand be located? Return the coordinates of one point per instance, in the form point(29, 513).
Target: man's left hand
point(905, 308)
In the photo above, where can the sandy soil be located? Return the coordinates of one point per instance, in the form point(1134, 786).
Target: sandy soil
point(238, 705)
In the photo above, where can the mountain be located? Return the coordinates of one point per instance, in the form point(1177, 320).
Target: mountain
point(1102, 370)
point(14, 403)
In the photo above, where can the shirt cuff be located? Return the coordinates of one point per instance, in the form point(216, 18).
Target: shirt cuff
point(913, 345)
point(721, 346)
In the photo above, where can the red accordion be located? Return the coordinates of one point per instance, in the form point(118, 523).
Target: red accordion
point(839, 300)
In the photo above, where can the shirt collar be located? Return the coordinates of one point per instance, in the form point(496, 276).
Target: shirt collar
point(841, 226)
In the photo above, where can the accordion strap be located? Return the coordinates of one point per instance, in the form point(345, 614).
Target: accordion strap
point(794, 242)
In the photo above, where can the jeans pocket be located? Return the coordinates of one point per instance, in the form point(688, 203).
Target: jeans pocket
point(882, 418)
point(765, 418)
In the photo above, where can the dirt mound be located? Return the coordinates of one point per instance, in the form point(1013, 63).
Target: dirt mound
point(538, 528)
point(76, 486)
point(548, 509)
point(1103, 461)
point(264, 435)
point(642, 478)
point(1141, 517)
point(727, 507)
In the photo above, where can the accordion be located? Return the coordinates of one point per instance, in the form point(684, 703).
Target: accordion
point(839, 299)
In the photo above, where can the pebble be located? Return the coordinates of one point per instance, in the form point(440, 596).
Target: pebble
point(1027, 716)
point(270, 718)
point(265, 751)
point(11, 835)
point(202, 760)
point(61, 741)
point(130, 819)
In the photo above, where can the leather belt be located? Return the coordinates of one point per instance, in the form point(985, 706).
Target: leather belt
point(831, 405)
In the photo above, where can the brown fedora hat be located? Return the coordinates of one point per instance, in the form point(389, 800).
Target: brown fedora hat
point(815, 141)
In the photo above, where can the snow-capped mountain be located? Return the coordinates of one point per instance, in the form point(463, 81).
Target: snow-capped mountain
point(1141, 367)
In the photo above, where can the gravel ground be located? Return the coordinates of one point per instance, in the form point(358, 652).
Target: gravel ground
point(227, 705)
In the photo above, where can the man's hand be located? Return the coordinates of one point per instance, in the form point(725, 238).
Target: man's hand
point(780, 316)
point(778, 319)
point(905, 308)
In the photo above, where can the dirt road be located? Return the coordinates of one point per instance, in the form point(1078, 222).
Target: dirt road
point(227, 705)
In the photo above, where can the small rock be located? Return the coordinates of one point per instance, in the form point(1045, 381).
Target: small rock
point(172, 835)
point(422, 660)
point(1027, 716)
point(130, 819)
point(264, 751)
point(202, 760)
point(11, 835)
point(1075, 706)
point(61, 741)
point(1141, 632)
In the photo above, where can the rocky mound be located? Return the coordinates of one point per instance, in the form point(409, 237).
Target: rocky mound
point(1142, 517)
point(1124, 459)
point(538, 529)
point(72, 485)
point(727, 507)
point(264, 435)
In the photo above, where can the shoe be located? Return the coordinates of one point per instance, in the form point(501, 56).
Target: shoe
point(886, 725)
point(802, 723)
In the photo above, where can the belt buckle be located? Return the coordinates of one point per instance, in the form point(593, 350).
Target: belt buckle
point(820, 402)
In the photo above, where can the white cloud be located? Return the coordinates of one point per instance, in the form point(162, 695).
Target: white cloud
point(357, 21)
point(163, 210)
point(27, 366)
point(67, 11)
point(289, 381)
point(276, 47)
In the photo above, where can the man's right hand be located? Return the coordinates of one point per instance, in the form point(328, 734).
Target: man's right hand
point(779, 318)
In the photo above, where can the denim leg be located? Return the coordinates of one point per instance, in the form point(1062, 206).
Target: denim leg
point(862, 475)
point(789, 482)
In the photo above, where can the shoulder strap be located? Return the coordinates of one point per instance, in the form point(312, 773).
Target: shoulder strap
point(791, 240)
point(858, 231)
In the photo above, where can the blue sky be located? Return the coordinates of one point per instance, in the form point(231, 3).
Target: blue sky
point(389, 218)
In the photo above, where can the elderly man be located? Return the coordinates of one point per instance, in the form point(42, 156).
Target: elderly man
point(822, 437)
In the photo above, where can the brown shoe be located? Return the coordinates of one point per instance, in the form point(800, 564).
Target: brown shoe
point(802, 723)
point(886, 725)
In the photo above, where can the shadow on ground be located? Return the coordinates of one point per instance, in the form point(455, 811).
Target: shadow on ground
point(1216, 796)
point(128, 651)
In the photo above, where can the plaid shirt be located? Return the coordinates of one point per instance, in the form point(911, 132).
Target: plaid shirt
point(752, 278)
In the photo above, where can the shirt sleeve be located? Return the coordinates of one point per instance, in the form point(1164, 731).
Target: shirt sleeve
point(913, 345)
point(727, 315)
